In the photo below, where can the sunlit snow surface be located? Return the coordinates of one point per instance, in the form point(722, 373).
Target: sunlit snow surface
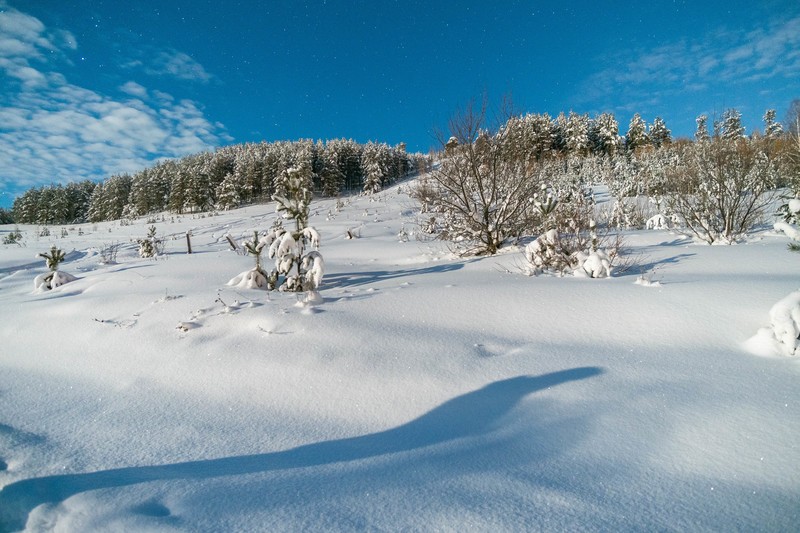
point(417, 391)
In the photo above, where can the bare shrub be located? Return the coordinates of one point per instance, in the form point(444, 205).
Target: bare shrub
point(482, 192)
point(721, 188)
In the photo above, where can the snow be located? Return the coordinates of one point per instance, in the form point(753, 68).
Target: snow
point(792, 232)
point(414, 391)
point(783, 335)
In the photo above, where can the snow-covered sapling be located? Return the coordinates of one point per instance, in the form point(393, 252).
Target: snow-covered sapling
point(15, 237)
point(301, 271)
point(54, 278)
point(54, 258)
point(151, 245)
point(256, 278)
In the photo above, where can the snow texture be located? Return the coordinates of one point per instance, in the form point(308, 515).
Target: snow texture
point(413, 391)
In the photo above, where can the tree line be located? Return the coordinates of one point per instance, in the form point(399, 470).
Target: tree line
point(227, 178)
point(533, 175)
point(249, 173)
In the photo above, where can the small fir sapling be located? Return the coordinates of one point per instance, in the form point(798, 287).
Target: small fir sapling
point(54, 278)
point(295, 269)
point(54, 258)
point(15, 237)
point(301, 271)
point(257, 277)
point(151, 245)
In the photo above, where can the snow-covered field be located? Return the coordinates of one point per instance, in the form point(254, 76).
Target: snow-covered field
point(425, 392)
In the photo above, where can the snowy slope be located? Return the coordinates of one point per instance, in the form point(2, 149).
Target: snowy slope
point(426, 392)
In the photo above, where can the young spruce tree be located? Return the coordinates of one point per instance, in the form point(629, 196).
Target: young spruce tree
point(301, 270)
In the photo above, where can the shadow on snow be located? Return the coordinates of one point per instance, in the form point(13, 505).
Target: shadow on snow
point(470, 415)
point(338, 281)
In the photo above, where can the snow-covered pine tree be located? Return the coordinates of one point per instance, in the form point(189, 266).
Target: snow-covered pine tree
point(54, 278)
point(772, 129)
point(301, 271)
point(228, 193)
point(559, 129)
point(577, 133)
point(54, 258)
point(701, 133)
point(151, 245)
point(604, 135)
point(330, 175)
point(659, 134)
point(637, 133)
point(731, 127)
point(374, 168)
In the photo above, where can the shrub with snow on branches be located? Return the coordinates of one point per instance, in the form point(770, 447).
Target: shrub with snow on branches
point(54, 278)
point(295, 269)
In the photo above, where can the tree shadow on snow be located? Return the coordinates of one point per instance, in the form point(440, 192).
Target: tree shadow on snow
point(647, 267)
point(470, 415)
point(338, 281)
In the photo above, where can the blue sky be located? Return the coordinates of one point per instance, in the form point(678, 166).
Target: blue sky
point(89, 88)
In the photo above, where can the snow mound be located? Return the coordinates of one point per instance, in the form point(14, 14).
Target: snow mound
point(783, 335)
point(790, 231)
point(251, 279)
point(658, 221)
point(785, 319)
point(51, 280)
point(595, 265)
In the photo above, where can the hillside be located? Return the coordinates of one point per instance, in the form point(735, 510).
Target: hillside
point(425, 392)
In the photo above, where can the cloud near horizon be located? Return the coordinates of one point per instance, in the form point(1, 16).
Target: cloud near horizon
point(54, 131)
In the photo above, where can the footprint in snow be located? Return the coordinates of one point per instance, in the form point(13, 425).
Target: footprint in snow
point(187, 325)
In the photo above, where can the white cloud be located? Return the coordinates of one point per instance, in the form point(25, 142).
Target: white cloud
point(179, 65)
point(168, 63)
point(56, 131)
point(768, 52)
point(134, 89)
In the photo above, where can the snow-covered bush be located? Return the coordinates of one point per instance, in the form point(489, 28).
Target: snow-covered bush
point(54, 278)
point(792, 232)
point(295, 269)
point(108, 253)
point(14, 237)
point(257, 278)
point(785, 323)
point(483, 188)
point(150, 246)
point(576, 253)
point(721, 188)
point(790, 211)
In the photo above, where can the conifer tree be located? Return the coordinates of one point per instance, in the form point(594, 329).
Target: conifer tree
point(701, 133)
point(637, 133)
point(228, 193)
point(577, 133)
point(772, 129)
point(604, 134)
point(54, 258)
point(301, 271)
point(659, 134)
point(731, 127)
